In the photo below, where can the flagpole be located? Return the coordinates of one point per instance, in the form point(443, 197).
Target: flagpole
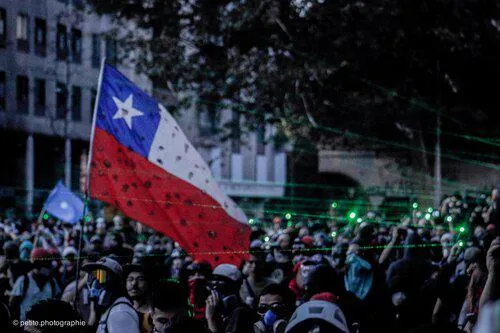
point(87, 181)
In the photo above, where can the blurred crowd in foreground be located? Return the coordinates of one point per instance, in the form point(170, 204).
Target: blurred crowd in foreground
point(435, 271)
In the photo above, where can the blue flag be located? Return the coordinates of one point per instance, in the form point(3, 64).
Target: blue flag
point(64, 204)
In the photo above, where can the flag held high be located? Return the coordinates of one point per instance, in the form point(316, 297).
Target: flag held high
point(142, 162)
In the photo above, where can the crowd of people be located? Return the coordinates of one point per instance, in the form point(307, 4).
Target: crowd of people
point(435, 270)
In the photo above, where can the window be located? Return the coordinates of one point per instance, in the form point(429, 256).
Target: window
point(22, 26)
point(22, 94)
point(2, 91)
point(76, 103)
point(96, 51)
point(261, 140)
point(208, 119)
point(61, 100)
point(93, 96)
point(76, 45)
point(40, 37)
point(3, 27)
point(111, 51)
point(62, 42)
point(39, 97)
point(236, 133)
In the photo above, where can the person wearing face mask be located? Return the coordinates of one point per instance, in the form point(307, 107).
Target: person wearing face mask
point(274, 309)
point(225, 312)
point(197, 273)
point(34, 286)
point(111, 310)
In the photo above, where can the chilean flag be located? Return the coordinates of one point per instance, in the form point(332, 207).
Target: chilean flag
point(142, 162)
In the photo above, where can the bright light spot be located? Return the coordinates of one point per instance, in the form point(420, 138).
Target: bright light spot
point(266, 239)
point(352, 215)
point(427, 216)
point(289, 224)
point(360, 220)
point(415, 205)
point(429, 210)
point(460, 243)
point(334, 205)
point(449, 219)
point(334, 234)
point(461, 229)
point(45, 216)
point(251, 221)
point(288, 216)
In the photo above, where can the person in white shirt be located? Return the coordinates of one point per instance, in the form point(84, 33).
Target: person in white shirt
point(111, 311)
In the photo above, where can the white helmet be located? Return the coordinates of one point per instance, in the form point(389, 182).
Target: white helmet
point(318, 311)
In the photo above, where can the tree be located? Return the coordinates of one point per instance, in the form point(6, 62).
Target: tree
point(345, 74)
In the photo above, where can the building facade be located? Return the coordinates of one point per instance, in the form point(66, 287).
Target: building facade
point(50, 55)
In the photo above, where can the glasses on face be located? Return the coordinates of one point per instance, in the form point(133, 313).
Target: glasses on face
point(275, 307)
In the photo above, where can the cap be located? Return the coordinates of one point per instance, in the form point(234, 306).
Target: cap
point(228, 271)
point(319, 310)
point(69, 250)
point(136, 267)
point(40, 253)
point(472, 254)
point(105, 263)
point(25, 245)
point(325, 296)
point(308, 241)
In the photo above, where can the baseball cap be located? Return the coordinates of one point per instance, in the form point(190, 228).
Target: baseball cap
point(228, 271)
point(40, 254)
point(69, 250)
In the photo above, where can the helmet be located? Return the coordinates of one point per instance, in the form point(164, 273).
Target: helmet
point(318, 311)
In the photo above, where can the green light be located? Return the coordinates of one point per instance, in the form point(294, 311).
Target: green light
point(288, 216)
point(427, 216)
point(430, 210)
point(45, 216)
point(266, 239)
point(334, 234)
point(359, 220)
point(334, 205)
point(461, 229)
point(87, 218)
point(461, 244)
point(251, 221)
point(352, 215)
point(415, 205)
point(449, 219)
point(289, 224)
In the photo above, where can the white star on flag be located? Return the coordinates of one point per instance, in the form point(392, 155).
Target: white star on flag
point(126, 111)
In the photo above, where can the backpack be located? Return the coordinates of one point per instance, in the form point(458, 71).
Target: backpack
point(139, 315)
point(26, 284)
